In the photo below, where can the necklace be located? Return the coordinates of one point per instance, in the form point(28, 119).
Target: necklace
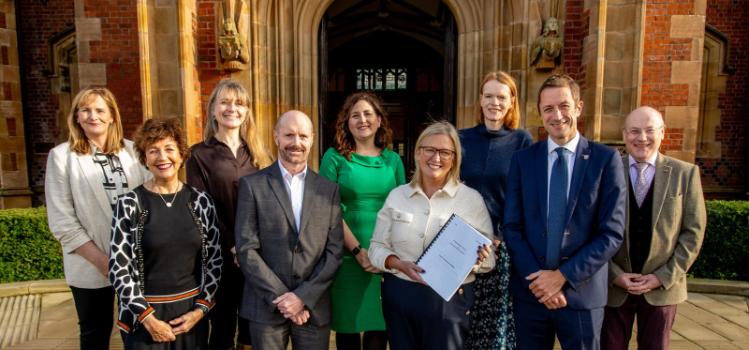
point(169, 203)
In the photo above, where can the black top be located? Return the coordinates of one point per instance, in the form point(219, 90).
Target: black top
point(640, 228)
point(213, 168)
point(486, 163)
point(171, 244)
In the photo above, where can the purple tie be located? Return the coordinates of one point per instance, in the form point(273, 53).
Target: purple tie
point(641, 185)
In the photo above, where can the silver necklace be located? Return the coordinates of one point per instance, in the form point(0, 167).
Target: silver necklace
point(169, 203)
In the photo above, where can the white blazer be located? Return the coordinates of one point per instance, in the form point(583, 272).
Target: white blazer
point(78, 210)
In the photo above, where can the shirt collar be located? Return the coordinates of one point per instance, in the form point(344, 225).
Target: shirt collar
point(450, 188)
point(650, 160)
point(286, 174)
point(570, 146)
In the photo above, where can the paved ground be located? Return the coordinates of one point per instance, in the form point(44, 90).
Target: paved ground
point(706, 321)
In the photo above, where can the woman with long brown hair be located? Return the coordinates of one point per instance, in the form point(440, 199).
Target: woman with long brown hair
point(365, 170)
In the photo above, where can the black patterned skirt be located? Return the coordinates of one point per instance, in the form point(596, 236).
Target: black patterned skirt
point(492, 324)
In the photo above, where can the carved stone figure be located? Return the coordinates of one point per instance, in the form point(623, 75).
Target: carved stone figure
point(231, 45)
point(546, 52)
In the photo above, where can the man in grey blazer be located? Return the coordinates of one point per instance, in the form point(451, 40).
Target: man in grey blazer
point(289, 243)
point(665, 228)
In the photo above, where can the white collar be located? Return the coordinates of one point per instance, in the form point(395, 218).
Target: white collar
point(570, 146)
point(285, 173)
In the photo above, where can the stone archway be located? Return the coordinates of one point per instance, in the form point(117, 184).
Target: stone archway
point(283, 72)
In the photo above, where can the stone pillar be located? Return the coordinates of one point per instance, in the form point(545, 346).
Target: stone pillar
point(14, 181)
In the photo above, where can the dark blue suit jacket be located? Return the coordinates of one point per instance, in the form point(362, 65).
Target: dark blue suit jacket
point(595, 226)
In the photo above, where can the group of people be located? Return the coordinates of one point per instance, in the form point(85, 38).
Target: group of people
point(251, 251)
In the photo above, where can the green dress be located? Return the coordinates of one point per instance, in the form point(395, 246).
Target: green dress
point(365, 183)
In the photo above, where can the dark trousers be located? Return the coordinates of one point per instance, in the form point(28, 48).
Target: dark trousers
point(276, 337)
point(418, 318)
point(95, 309)
point(653, 325)
point(224, 317)
point(536, 326)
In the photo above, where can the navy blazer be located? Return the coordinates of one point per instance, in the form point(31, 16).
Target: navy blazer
point(595, 220)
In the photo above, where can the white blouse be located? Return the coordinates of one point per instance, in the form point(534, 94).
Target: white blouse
point(410, 220)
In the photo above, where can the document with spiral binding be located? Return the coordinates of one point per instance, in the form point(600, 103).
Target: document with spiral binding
point(450, 256)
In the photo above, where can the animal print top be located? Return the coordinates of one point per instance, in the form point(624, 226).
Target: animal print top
point(126, 256)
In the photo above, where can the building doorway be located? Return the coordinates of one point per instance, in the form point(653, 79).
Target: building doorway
point(403, 51)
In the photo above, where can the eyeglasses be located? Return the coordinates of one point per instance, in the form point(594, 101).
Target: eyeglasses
point(444, 153)
point(638, 131)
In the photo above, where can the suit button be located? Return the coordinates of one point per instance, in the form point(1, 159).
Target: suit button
point(541, 259)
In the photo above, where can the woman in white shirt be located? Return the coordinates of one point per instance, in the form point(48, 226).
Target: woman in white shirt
point(83, 179)
point(416, 317)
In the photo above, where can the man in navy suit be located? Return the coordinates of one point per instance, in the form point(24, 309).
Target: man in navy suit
point(564, 220)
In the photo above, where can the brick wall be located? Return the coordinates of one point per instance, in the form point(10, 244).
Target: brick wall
point(119, 50)
point(576, 29)
point(732, 169)
point(209, 65)
point(36, 25)
point(660, 50)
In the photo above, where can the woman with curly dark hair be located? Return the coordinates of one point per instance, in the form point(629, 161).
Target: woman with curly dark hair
point(165, 260)
point(366, 170)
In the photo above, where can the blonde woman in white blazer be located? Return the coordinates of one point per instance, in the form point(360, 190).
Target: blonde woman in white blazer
point(84, 177)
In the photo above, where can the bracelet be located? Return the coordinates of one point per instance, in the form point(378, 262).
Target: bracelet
point(356, 250)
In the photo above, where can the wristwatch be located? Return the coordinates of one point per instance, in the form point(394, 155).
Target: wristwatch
point(356, 250)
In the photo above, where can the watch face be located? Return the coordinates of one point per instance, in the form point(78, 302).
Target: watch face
point(355, 251)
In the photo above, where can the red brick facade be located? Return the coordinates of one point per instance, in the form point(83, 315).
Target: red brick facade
point(119, 49)
point(730, 17)
point(209, 66)
point(660, 50)
point(37, 24)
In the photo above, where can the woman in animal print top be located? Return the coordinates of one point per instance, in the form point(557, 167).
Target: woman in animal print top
point(165, 261)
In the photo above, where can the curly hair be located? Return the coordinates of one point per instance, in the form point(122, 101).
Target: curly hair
point(344, 140)
point(157, 129)
point(512, 118)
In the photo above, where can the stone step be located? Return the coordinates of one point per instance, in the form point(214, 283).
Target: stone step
point(19, 319)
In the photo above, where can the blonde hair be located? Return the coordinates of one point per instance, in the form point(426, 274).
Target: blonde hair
point(511, 120)
point(439, 128)
point(247, 131)
point(79, 142)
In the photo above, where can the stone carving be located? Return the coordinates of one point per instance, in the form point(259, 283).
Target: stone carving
point(231, 43)
point(546, 52)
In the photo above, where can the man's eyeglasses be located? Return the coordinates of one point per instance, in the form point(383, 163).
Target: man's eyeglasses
point(638, 131)
point(444, 153)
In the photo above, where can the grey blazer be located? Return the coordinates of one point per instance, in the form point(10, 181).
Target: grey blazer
point(274, 258)
point(78, 210)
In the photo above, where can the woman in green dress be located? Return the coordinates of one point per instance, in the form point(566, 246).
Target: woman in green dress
point(366, 171)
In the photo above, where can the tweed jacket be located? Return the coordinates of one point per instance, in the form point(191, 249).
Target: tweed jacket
point(78, 210)
point(679, 220)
